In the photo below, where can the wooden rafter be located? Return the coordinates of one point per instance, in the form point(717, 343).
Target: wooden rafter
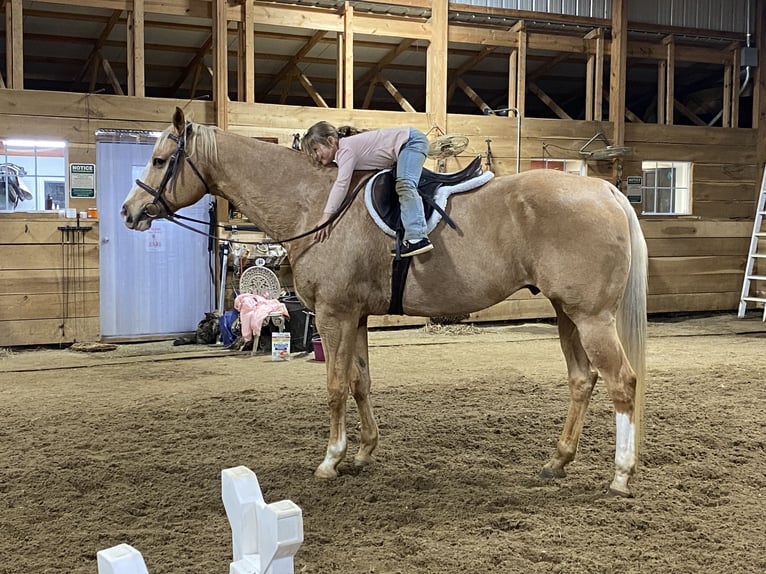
point(458, 72)
point(370, 75)
point(294, 60)
point(391, 89)
point(473, 96)
point(191, 66)
point(308, 86)
point(92, 60)
point(111, 76)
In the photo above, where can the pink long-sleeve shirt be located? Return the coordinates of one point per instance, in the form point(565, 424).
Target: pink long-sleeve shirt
point(375, 149)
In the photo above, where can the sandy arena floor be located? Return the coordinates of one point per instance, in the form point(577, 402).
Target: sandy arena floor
point(97, 449)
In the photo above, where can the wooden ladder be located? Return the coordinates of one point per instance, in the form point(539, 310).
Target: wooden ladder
point(759, 233)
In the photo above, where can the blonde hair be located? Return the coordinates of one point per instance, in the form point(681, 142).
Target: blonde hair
point(320, 134)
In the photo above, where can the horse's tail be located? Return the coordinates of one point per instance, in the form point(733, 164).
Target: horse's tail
point(631, 315)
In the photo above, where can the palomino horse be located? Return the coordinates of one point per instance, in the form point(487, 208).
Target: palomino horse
point(576, 239)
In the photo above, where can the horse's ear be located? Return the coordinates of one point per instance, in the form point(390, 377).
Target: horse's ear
point(178, 121)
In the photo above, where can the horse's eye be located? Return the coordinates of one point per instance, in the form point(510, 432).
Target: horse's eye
point(158, 162)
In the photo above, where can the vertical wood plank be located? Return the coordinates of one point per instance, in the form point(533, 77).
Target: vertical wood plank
point(246, 89)
point(220, 64)
point(728, 72)
point(513, 77)
point(521, 70)
point(598, 101)
point(662, 78)
point(670, 80)
point(735, 57)
point(436, 67)
point(348, 56)
point(340, 53)
point(136, 57)
point(617, 70)
point(14, 44)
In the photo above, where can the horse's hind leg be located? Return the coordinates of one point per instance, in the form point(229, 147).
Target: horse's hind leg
point(360, 388)
point(601, 342)
point(582, 379)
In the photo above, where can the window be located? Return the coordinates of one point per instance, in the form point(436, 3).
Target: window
point(574, 166)
point(665, 187)
point(32, 175)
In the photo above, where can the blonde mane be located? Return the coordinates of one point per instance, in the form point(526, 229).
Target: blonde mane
point(201, 141)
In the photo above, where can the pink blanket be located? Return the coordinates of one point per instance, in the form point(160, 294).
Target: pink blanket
point(253, 310)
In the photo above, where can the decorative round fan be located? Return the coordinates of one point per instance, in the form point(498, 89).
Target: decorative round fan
point(260, 281)
point(447, 146)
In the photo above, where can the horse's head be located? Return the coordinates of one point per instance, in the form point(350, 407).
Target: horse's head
point(168, 183)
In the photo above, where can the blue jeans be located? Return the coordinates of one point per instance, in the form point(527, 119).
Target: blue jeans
point(409, 166)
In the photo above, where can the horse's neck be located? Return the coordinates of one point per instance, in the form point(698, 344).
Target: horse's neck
point(275, 187)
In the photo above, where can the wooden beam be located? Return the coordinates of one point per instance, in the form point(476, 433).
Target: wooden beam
point(246, 72)
point(618, 69)
point(662, 75)
point(221, 64)
point(521, 71)
point(14, 44)
point(696, 120)
point(437, 65)
point(192, 66)
point(548, 101)
point(294, 60)
point(391, 89)
point(102, 38)
point(735, 64)
point(670, 79)
point(598, 103)
point(135, 54)
point(307, 85)
point(466, 66)
point(473, 96)
point(340, 52)
point(111, 76)
point(348, 56)
point(728, 73)
point(370, 75)
point(370, 93)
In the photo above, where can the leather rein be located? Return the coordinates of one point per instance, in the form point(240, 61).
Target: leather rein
point(159, 208)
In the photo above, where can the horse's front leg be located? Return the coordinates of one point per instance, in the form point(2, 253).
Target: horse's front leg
point(360, 388)
point(339, 343)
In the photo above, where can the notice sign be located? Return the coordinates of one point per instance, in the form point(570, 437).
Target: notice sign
point(82, 180)
point(635, 192)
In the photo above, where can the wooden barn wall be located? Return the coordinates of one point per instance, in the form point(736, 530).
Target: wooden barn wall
point(696, 262)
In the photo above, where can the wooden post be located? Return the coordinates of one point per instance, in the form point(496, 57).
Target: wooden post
point(662, 78)
point(595, 77)
point(436, 65)
point(246, 68)
point(14, 44)
point(521, 70)
point(670, 79)
point(735, 65)
point(340, 52)
point(220, 64)
point(135, 56)
point(617, 71)
point(348, 56)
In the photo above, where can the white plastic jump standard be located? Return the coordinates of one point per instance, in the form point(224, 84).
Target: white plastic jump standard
point(265, 537)
point(759, 236)
point(120, 559)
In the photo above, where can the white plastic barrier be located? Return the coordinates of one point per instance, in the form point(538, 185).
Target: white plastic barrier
point(120, 559)
point(265, 537)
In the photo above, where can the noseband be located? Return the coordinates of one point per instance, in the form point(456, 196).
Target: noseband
point(159, 207)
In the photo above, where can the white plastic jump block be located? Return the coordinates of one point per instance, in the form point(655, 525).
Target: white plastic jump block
point(265, 537)
point(120, 559)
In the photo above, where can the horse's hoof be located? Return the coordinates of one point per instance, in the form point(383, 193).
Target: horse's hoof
point(361, 462)
point(552, 472)
point(322, 472)
point(621, 493)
